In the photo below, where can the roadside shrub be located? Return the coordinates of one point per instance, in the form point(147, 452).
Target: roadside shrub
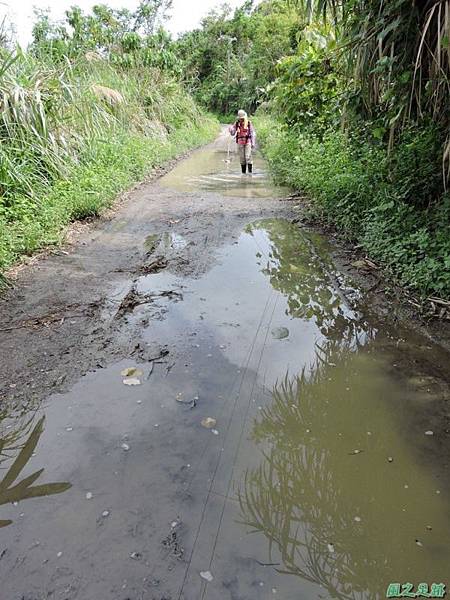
point(393, 205)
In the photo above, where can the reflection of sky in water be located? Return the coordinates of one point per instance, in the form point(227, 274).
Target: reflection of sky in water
point(305, 490)
point(269, 279)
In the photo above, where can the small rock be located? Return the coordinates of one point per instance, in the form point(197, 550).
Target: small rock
point(207, 575)
point(429, 432)
point(59, 555)
point(390, 459)
point(214, 431)
point(330, 548)
point(419, 543)
point(136, 555)
point(280, 333)
point(89, 496)
point(358, 519)
point(105, 514)
point(208, 422)
point(125, 447)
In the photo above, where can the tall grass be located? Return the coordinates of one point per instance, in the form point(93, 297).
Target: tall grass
point(76, 133)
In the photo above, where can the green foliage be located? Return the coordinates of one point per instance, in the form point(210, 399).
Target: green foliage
point(396, 58)
point(307, 90)
point(232, 59)
point(74, 133)
point(125, 38)
point(385, 203)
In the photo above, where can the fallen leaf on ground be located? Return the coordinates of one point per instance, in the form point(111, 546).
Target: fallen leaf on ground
point(131, 372)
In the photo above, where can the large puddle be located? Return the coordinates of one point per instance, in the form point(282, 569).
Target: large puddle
point(321, 476)
point(218, 170)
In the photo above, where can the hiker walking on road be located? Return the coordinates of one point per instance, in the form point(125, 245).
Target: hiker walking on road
point(245, 139)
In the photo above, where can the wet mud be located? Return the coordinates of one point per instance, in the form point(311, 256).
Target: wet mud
point(233, 420)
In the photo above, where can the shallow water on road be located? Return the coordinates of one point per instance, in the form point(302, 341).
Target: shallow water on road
point(218, 170)
point(321, 477)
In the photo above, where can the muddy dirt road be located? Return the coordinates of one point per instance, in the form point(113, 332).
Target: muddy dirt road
point(198, 405)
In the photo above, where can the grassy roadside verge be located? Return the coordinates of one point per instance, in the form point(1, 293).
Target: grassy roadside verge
point(110, 167)
point(369, 199)
point(75, 134)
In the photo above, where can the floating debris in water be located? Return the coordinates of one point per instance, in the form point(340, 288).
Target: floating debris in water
point(132, 381)
point(69, 428)
point(59, 555)
point(131, 372)
point(208, 422)
point(207, 575)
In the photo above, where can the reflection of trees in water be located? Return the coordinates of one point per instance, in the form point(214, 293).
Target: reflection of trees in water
point(298, 498)
point(17, 447)
point(308, 280)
